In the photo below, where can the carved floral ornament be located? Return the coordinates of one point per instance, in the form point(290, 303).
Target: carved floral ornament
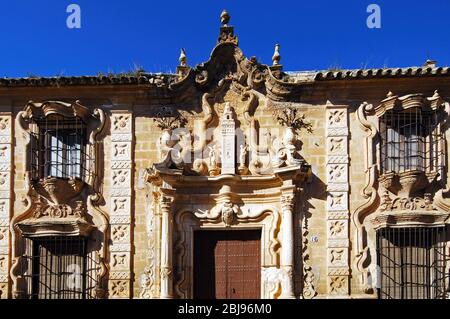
point(396, 199)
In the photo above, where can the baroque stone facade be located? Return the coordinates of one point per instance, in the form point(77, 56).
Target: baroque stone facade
point(230, 145)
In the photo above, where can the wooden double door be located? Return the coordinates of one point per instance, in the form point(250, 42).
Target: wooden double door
point(227, 264)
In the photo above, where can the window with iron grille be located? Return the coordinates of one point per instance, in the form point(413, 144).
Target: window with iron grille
point(412, 263)
point(59, 268)
point(410, 140)
point(58, 148)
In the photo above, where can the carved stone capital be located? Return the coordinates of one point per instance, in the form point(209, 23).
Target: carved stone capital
point(166, 204)
point(288, 202)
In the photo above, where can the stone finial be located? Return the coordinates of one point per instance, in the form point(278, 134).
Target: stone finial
point(430, 63)
point(226, 31)
point(183, 58)
point(276, 56)
point(225, 17)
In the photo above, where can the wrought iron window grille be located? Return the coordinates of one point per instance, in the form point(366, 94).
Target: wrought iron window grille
point(411, 140)
point(59, 268)
point(412, 263)
point(58, 148)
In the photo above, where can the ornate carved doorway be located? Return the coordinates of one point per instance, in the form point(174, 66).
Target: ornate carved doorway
point(222, 168)
point(227, 264)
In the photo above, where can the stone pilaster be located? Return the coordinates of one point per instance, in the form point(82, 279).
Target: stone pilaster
point(5, 199)
point(121, 181)
point(337, 200)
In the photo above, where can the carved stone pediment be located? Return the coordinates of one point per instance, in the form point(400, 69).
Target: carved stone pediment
point(68, 110)
point(226, 167)
point(394, 102)
point(227, 64)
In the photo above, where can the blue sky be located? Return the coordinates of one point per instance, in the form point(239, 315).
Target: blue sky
point(116, 35)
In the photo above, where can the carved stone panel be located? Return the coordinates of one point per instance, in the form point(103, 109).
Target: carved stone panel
point(337, 229)
point(337, 173)
point(338, 257)
point(120, 204)
point(337, 199)
point(120, 233)
point(337, 145)
point(338, 285)
point(121, 151)
point(119, 289)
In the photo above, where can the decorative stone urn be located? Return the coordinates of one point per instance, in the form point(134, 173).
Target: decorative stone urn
point(290, 136)
point(166, 138)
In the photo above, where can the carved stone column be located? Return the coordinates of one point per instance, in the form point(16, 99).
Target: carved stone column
point(166, 248)
point(287, 246)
